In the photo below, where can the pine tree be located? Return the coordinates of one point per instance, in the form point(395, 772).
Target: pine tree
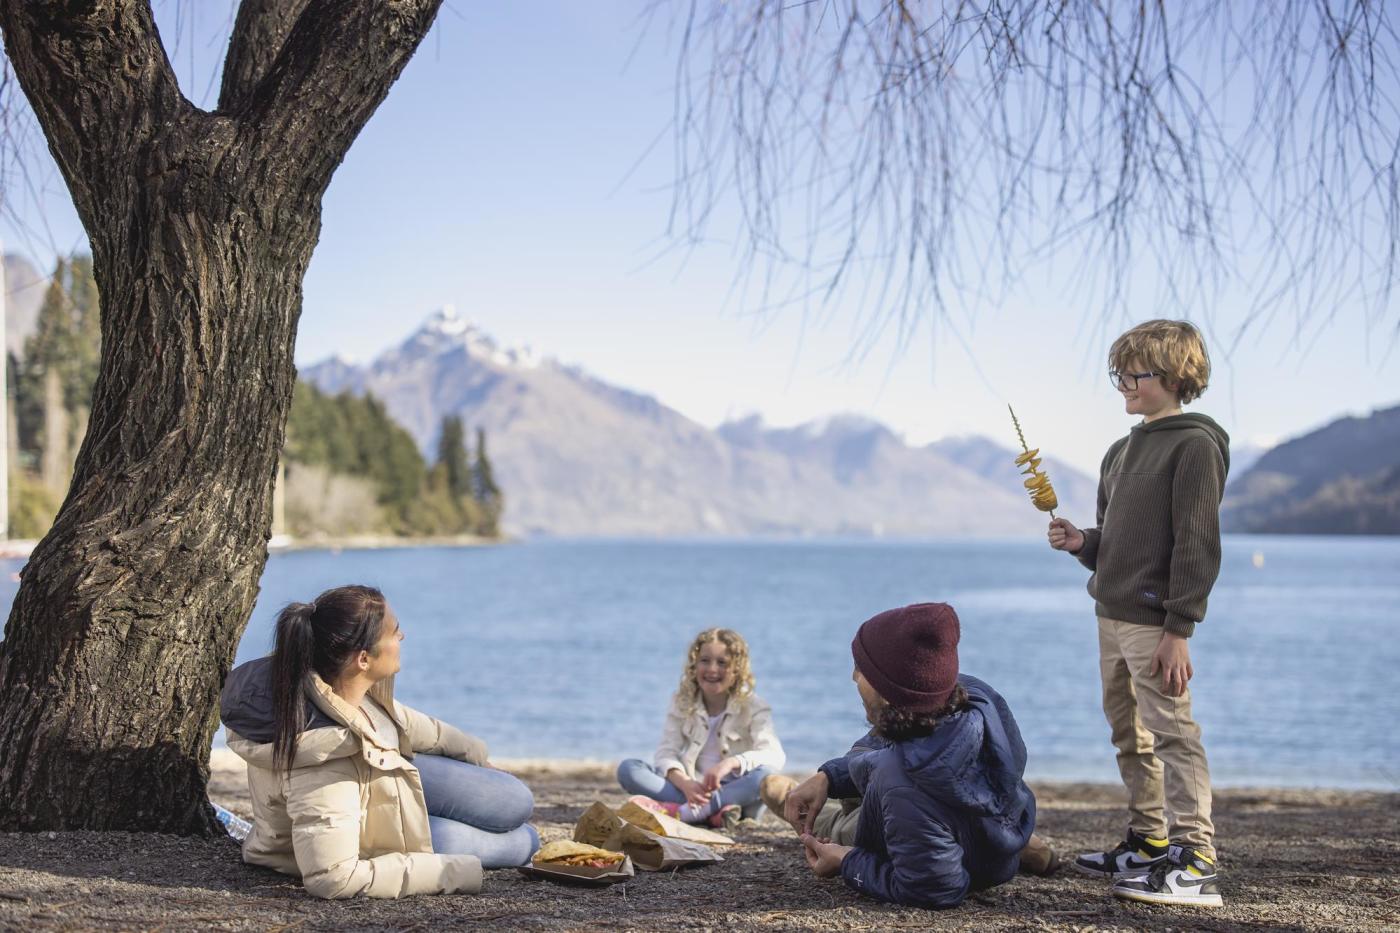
point(355, 436)
point(306, 442)
point(67, 343)
point(485, 491)
point(43, 379)
point(452, 457)
point(87, 333)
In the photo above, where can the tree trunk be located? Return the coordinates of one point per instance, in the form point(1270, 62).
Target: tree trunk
point(132, 606)
point(201, 225)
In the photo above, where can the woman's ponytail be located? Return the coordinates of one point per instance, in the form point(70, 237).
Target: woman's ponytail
point(318, 637)
point(292, 660)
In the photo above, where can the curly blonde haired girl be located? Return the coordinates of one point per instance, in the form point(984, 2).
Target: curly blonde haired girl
point(718, 743)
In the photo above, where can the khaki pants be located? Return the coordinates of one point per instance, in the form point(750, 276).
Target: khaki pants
point(838, 820)
point(1159, 745)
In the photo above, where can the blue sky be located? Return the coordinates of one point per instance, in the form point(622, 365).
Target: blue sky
point(519, 170)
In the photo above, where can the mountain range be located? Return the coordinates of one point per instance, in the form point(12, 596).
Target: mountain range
point(1343, 478)
point(579, 456)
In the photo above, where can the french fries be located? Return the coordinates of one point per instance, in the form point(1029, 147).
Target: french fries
point(1037, 482)
point(568, 852)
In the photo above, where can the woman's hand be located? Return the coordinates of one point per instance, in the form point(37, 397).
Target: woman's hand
point(825, 858)
point(804, 802)
point(1065, 537)
point(716, 775)
point(695, 793)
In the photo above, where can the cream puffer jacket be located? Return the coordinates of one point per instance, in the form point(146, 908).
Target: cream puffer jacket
point(349, 817)
point(746, 733)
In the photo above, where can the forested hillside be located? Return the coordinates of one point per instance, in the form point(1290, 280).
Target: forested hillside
point(1343, 478)
point(348, 467)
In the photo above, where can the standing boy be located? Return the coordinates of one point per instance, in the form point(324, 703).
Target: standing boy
point(1155, 554)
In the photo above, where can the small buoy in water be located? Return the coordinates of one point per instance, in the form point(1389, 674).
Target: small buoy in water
point(1258, 559)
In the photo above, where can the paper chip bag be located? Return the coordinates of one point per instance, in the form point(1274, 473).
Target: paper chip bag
point(649, 851)
point(663, 825)
point(598, 826)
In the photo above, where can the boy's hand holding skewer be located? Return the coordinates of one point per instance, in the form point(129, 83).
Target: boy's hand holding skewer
point(1065, 537)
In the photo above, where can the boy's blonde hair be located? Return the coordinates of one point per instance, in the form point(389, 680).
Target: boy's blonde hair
point(1175, 349)
point(738, 663)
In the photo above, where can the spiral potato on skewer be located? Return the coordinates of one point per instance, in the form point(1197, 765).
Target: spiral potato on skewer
point(1037, 482)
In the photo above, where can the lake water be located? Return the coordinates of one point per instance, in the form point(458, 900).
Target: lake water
point(572, 649)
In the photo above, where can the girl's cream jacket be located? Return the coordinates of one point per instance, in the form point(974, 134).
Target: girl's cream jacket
point(349, 817)
point(746, 733)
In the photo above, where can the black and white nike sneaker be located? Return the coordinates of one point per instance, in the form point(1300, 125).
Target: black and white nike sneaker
point(1136, 855)
point(1184, 877)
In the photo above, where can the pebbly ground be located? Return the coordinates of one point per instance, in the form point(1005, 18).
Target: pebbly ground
point(1292, 859)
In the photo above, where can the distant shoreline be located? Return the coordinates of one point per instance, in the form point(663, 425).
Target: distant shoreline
point(21, 548)
point(227, 770)
point(376, 542)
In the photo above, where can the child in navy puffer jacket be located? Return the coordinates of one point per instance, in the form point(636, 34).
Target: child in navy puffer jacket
point(944, 809)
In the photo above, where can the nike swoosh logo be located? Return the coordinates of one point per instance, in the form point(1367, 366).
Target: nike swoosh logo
point(1188, 880)
point(1135, 862)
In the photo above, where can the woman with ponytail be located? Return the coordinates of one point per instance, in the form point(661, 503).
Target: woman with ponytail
point(353, 791)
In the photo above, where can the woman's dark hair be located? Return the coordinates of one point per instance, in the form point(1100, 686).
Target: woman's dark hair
point(897, 724)
point(320, 636)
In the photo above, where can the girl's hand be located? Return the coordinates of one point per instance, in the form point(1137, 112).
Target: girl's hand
point(695, 793)
point(716, 775)
point(824, 857)
point(1065, 537)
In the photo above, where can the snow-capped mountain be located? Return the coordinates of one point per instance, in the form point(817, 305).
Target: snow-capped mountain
point(577, 456)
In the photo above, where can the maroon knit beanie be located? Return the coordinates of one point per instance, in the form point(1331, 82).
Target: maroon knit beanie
point(910, 655)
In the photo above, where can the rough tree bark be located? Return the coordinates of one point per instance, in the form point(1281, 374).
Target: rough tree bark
point(201, 226)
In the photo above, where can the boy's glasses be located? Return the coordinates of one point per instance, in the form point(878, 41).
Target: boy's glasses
point(1127, 381)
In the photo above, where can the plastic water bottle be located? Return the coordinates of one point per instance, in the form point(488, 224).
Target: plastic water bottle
point(236, 826)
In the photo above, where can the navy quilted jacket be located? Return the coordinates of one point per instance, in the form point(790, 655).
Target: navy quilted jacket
point(943, 814)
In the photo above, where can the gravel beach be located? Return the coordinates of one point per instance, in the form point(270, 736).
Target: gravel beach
point(1292, 859)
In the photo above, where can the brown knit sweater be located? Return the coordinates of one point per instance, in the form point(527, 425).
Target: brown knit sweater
point(1156, 551)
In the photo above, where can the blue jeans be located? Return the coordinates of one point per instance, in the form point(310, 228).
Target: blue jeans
point(477, 811)
point(639, 777)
